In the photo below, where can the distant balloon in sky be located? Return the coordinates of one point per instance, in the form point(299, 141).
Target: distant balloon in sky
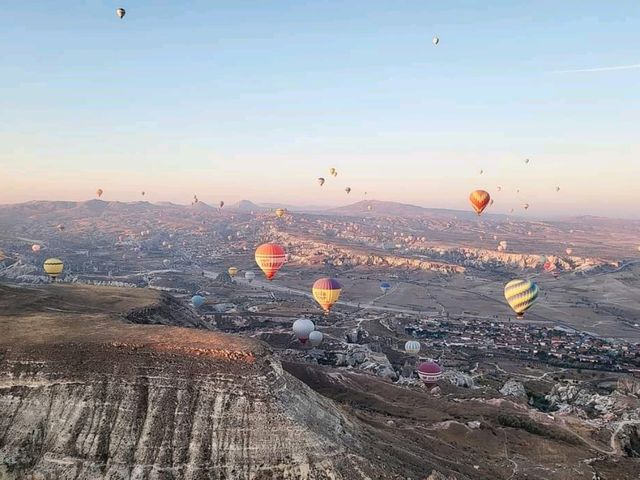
point(557, 189)
point(302, 328)
point(35, 248)
point(197, 301)
point(120, 12)
point(503, 244)
point(348, 189)
point(221, 204)
point(569, 251)
point(143, 194)
point(526, 206)
point(53, 267)
point(481, 171)
point(435, 40)
point(491, 202)
point(99, 192)
point(326, 292)
point(332, 171)
point(369, 207)
point(60, 227)
point(249, 276)
point(320, 181)
point(233, 271)
point(479, 200)
point(270, 257)
point(520, 295)
point(412, 347)
point(315, 338)
point(499, 188)
point(429, 372)
point(526, 161)
point(280, 212)
point(385, 287)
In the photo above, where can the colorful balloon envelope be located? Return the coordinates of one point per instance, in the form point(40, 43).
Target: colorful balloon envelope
point(326, 291)
point(270, 257)
point(320, 181)
point(53, 267)
point(120, 12)
point(233, 271)
point(385, 287)
point(479, 200)
point(280, 212)
point(99, 192)
point(249, 276)
point(430, 372)
point(521, 295)
point(35, 248)
point(221, 204)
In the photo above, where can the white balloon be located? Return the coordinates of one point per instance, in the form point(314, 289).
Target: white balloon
point(302, 328)
point(315, 338)
point(412, 347)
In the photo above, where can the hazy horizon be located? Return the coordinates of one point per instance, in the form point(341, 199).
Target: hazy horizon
point(242, 100)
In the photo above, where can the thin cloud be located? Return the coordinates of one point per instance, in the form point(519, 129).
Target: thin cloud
point(600, 69)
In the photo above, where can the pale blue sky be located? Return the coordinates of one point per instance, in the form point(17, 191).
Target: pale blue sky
point(255, 99)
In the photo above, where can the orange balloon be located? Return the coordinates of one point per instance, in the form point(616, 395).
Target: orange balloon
point(479, 200)
point(270, 257)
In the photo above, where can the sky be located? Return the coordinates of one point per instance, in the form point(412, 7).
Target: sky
point(256, 99)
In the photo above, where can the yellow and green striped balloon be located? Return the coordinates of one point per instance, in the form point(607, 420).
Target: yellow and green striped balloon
point(520, 295)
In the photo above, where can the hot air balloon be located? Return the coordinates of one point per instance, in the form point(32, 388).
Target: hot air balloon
point(99, 192)
point(369, 207)
point(385, 287)
point(557, 189)
point(429, 372)
point(412, 347)
point(60, 227)
point(233, 271)
point(499, 188)
point(302, 328)
point(549, 266)
point(270, 257)
point(35, 248)
point(348, 189)
point(280, 212)
point(221, 204)
point(526, 206)
point(249, 276)
point(53, 267)
point(520, 295)
point(435, 40)
point(479, 200)
point(142, 193)
point(569, 251)
point(197, 301)
point(315, 338)
point(332, 171)
point(503, 244)
point(481, 171)
point(491, 202)
point(526, 161)
point(320, 181)
point(120, 12)
point(326, 291)
point(166, 262)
